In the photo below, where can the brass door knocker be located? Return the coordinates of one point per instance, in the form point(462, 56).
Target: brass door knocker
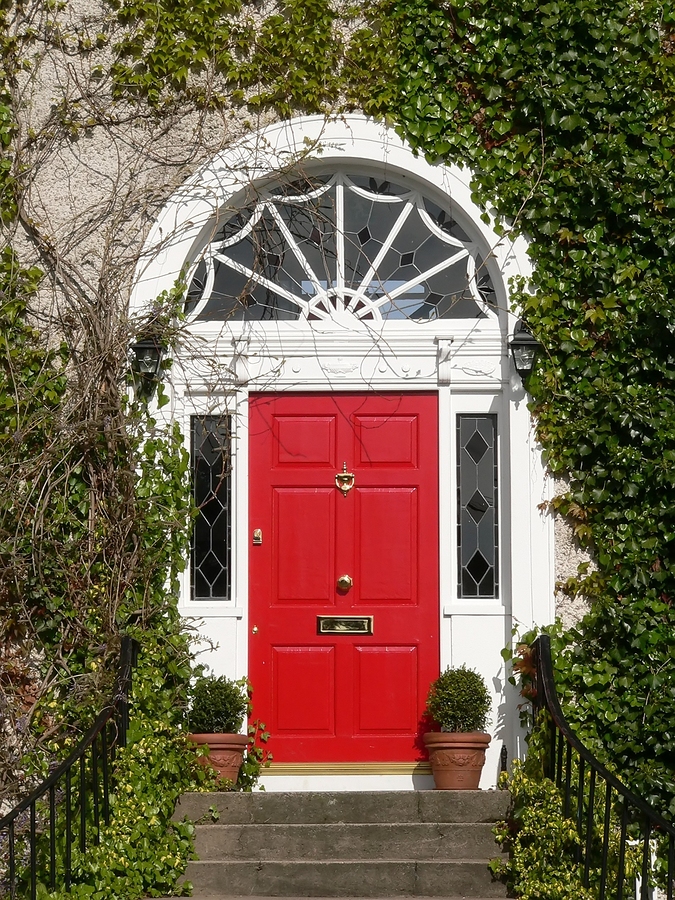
point(344, 480)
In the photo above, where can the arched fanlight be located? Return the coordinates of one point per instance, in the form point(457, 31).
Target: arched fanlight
point(341, 246)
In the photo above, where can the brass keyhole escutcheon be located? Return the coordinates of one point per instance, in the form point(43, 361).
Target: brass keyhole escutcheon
point(344, 582)
point(344, 480)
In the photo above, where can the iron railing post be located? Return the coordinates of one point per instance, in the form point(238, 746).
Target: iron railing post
point(638, 819)
point(42, 828)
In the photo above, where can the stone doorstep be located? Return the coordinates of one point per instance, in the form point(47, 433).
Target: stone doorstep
point(410, 844)
point(346, 878)
point(433, 807)
point(373, 840)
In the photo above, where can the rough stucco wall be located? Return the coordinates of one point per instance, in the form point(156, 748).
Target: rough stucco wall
point(99, 171)
point(568, 557)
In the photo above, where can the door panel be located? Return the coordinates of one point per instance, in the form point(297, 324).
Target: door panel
point(387, 544)
point(313, 668)
point(386, 440)
point(386, 689)
point(343, 696)
point(299, 440)
point(303, 517)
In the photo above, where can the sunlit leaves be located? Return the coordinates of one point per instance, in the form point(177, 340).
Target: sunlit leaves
point(565, 111)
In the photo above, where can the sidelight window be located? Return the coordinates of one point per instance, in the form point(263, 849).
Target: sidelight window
point(210, 570)
point(477, 522)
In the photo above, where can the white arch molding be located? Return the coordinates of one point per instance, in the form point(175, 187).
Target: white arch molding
point(464, 360)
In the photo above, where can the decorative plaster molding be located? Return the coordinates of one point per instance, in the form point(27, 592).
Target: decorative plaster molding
point(240, 345)
point(444, 359)
point(340, 366)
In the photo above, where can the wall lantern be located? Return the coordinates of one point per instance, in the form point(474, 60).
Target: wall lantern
point(524, 348)
point(147, 364)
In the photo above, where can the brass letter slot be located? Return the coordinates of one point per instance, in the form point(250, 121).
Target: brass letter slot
point(344, 624)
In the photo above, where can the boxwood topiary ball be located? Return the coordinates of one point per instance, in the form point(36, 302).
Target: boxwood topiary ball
point(459, 700)
point(219, 705)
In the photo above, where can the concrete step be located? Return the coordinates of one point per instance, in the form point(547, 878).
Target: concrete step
point(406, 841)
point(344, 806)
point(344, 878)
point(345, 844)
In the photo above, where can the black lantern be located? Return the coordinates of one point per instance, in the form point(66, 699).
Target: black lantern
point(524, 348)
point(147, 364)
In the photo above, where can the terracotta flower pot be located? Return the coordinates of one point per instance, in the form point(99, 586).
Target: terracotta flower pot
point(226, 752)
point(456, 758)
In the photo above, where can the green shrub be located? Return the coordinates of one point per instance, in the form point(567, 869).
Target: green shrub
point(546, 852)
point(459, 700)
point(219, 705)
point(540, 841)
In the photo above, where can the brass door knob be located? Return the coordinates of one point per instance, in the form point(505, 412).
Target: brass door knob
point(344, 582)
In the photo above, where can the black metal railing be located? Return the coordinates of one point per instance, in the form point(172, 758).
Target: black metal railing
point(622, 839)
point(63, 816)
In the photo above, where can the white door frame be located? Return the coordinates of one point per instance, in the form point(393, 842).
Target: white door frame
point(466, 361)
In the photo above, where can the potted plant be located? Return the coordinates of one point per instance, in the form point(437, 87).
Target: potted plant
point(217, 712)
point(459, 703)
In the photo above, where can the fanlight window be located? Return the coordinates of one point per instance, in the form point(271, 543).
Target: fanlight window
point(336, 247)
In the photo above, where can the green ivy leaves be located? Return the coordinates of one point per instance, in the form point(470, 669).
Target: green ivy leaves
point(213, 54)
point(167, 42)
point(294, 59)
point(565, 112)
point(540, 842)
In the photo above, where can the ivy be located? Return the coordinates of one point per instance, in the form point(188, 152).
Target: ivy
point(63, 598)
point(543, 844)
point(143, 852)
point(307, 56)
point(294, 62)
point(565, 113)
point(615, 675)
point(165, 43)
point(214, 54)
point(540, 842)
point(94, 513)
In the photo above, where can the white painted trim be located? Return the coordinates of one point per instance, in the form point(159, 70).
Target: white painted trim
point(466, 362)
point(216, 610)
point(447, 528)
point(474, 608)
point(271, 783)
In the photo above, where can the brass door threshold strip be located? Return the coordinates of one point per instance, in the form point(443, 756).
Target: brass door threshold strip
point(349, 768)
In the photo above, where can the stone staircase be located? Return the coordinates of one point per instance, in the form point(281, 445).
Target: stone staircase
point(344, 844)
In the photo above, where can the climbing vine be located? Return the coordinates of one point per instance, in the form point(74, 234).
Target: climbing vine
point(94, 513)
point(544, 845)
point(564, 112)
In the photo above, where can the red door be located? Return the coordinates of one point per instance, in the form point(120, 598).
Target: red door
point(340, 670)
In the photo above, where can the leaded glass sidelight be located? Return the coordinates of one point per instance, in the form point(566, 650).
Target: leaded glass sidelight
point(211, 537)
point(340, 246)
point(477, 524)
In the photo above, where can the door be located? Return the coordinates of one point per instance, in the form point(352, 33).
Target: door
point(344, 605)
